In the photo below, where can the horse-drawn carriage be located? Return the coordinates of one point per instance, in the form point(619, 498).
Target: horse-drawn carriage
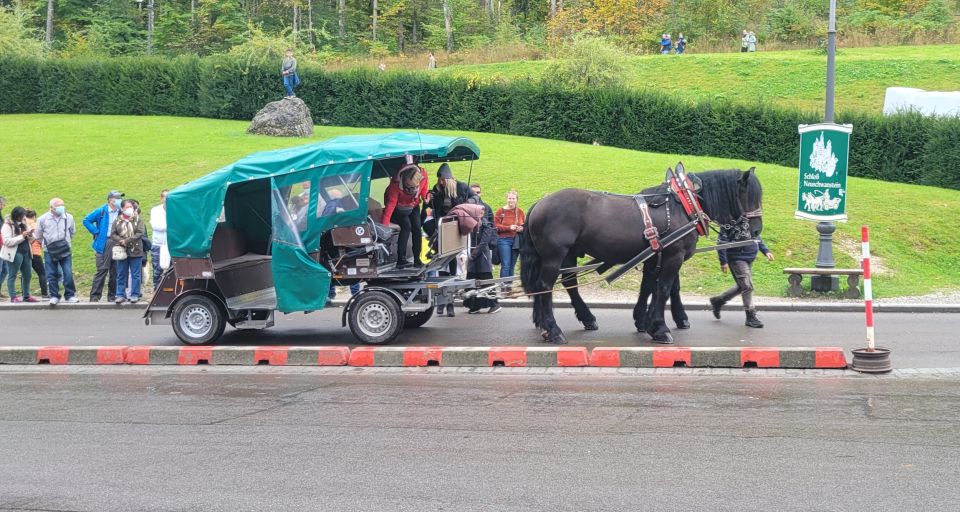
point(275, 230)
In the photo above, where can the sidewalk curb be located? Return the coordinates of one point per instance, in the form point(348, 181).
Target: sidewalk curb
point(826, 307)
point(547, 357)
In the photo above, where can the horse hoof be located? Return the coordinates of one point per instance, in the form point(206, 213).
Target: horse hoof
point(684, 324)
point(664, 339)
point(544, 334)
point(591, 325)
point(556, 339)
point(641, 327)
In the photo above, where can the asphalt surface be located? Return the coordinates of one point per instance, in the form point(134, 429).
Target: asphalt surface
point(917, 340)
point(276, 439)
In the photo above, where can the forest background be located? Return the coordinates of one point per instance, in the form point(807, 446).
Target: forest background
point(345, 32)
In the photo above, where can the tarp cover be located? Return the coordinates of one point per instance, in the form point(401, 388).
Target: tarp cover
point(194, 209)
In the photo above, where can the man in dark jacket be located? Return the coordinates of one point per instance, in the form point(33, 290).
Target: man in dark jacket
point(739, 260)
point(480, 266)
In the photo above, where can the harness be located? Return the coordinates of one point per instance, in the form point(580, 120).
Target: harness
point(650, 232)
point(682, 187)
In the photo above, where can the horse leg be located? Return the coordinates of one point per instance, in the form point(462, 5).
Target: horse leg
point(676, 307)
point(570, 282)
point(646, 289)
point(656, 325)
point(548, 275)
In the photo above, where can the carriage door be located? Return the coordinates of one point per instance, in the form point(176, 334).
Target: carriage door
point(301, 283)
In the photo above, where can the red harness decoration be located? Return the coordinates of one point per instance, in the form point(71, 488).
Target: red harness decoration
point(681, 185)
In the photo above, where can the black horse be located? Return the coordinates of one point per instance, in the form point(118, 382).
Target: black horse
point(609, 228)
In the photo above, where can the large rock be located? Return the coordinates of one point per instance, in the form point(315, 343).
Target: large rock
point(288, 117)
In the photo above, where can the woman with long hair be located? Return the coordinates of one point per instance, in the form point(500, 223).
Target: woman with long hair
point(509, 221)
point(16, 255)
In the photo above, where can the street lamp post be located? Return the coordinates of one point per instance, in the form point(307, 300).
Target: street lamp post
point(826, 229)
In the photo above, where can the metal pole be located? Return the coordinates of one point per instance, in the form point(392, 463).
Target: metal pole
point(826, 229)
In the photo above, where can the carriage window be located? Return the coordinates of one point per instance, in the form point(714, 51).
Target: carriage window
point(339, 194)
point(298, 202)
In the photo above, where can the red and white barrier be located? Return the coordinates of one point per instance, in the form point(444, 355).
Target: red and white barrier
point(867, 287)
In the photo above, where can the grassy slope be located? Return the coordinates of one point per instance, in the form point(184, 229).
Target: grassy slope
point(788, 78)
point(80, 158)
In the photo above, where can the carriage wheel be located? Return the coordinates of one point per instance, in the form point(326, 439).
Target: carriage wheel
point(198, 320)
point(375, 318)
point(414, 320)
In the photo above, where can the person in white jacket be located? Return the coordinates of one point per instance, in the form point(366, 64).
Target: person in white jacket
point(16, 255)
point(158, 223)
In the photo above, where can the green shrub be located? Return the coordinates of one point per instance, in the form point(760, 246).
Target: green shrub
point(905, 148)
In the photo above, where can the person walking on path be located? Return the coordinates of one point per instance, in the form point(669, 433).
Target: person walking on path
point(3, 268)
point(509, 223)
point(288, 70)
point(739, 261)
point(158, 223)
point(55, 230)
point(36, 254)
point(15, 254)
point(127, 251)
point(681, 44)
point(98, 223)
point(401, 206)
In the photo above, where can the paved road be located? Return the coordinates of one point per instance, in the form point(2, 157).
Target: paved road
point(917, 340)
point(276, 439)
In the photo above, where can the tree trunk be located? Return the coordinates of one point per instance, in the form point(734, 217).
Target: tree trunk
point(149, 27)
point(413, 32)
point(374, 20)
point(341, 20)
point(296, 24)
point(48, 40)
point(553, 8)
point(448, 24)
point(193, 12)
point(313, 40)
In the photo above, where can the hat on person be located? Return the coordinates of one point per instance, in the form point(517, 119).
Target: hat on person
point(445, 172)
point(114, 193)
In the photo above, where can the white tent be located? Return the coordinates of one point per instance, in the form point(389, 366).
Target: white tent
point(929, 103)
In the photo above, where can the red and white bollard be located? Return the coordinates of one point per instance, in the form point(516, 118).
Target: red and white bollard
point(870, 359)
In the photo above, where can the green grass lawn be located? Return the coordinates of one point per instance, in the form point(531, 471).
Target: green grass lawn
point(81, 158)
point(786, 78)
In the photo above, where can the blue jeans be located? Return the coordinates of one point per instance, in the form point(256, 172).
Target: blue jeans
point(289, 82)
point(507, 259)
point(131, 267)
point(354, 289)
point(155, 260)
point(3, 272)
point(56, 270)
point(21, 263)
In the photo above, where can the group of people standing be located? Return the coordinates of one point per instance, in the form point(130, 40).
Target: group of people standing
point(45, 245)
point(410, 203)
point(748, 42)
point(667, 44)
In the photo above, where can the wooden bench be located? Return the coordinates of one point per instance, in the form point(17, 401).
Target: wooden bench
point(796, 279)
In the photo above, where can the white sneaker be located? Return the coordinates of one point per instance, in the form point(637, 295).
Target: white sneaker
point(54, 301)
point(72, 300)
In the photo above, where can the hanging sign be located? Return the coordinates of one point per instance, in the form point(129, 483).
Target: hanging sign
point(824, 152)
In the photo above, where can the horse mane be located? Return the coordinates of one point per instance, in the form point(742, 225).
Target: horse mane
point(720, 191)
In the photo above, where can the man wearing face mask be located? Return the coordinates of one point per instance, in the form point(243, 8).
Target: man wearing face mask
point(55, 230)
point(98, 223)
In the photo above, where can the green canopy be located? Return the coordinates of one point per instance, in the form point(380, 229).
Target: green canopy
point(281, 202)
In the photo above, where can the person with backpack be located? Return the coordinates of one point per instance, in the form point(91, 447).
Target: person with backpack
point(483, 241)
point(55, 230)
point(98, 223)
point(288, 70)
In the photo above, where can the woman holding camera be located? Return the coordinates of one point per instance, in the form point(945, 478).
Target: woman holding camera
point(16, 255)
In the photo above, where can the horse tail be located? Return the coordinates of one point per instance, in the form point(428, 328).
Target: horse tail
point(530, 264)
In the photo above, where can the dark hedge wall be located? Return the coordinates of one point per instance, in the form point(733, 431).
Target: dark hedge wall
point(906, 148)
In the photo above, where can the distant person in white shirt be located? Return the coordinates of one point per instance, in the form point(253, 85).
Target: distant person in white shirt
point(158, 223)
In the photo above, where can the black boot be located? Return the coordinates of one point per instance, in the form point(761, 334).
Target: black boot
point(717, 303)
point(439, 310)
point(752, 320)
point(450, 311)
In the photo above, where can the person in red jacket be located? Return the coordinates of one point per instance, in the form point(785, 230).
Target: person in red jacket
point(401, 205)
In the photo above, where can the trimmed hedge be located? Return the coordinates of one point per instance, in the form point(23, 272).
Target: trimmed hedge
point(906, 148)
